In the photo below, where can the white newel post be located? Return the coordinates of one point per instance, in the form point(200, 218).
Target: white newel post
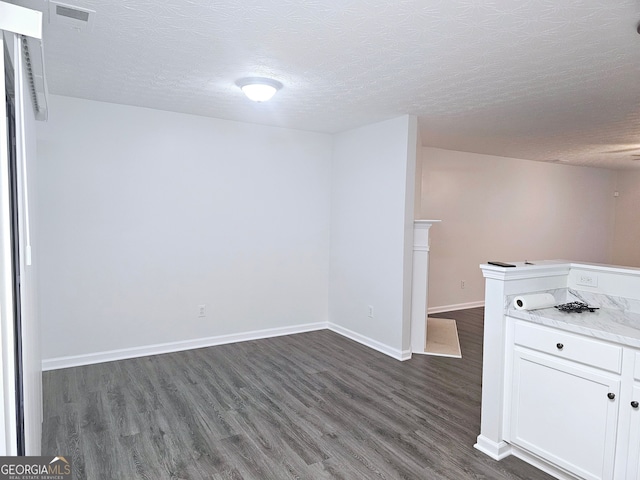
point(420, 284)
point(499, 283)
point(490, 439)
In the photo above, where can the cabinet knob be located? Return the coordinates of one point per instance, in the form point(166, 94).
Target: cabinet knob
point(634, 404)
point(611, 395)
point(559, 346)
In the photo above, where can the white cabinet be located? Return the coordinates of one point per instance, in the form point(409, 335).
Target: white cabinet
point(568, 401)
point(563, 414)
point(543, 403)
point(633, 464)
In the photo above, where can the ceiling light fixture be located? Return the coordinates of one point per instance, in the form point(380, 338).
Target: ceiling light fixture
point(259, 89)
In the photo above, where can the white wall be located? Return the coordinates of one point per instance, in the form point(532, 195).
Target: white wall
point(371, 216)
point(626, 245)
point(144, 215)
point(496, 208)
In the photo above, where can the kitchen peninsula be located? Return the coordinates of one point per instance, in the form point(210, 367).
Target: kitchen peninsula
point(561, 390)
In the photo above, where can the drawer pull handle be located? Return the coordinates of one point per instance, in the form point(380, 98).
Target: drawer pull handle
point(634, 404)
point(611, 395)
point(559, 346)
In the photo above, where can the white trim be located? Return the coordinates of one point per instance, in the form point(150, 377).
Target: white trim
point(501, 450)
point(599, 267)
point(20, 20)
point(543, 465)
point(419, 284)
point(497, 451)
point(370, 342)
point(425, 223)
point(547, 268)
point(457, 306)
point(27, 24)
point(158, 349)
point(134, 352)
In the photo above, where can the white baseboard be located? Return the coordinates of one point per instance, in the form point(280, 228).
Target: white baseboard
point(124, 353)
point(543, 465)
point(371, 343)
point(457, 306)
point(405, 355)
point(135, 352)
point(497, 451)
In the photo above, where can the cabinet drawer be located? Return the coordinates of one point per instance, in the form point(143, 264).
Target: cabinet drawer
point(569, 346)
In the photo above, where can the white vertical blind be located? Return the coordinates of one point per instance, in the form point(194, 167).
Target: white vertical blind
point(8, 445)
point(18, 24)
point(22, 148)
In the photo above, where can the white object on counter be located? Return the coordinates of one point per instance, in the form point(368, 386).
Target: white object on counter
point(534, 301)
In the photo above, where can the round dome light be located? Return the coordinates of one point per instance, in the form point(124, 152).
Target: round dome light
point(259, 89)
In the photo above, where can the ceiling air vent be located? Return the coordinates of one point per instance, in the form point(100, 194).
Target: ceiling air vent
point(78, 18)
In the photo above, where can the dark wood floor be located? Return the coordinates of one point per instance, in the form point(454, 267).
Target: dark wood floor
point(307, 406)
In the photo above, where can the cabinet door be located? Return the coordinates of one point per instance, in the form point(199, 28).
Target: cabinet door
point(565, 413)
point(633, 467)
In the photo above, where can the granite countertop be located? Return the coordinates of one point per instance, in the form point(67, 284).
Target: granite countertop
point(610, 324)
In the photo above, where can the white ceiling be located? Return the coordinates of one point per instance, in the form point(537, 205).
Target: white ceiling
point(535, 79)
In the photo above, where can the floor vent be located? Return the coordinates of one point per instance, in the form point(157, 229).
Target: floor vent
point(78, 18)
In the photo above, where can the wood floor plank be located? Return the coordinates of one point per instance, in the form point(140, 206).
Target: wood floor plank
point(309, 406)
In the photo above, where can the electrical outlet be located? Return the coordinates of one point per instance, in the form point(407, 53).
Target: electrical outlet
point(587, 279)
point(202, 310)
point(462, 284)
point(370, 311)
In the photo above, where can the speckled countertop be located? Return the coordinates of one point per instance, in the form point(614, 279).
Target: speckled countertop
point(620, 325)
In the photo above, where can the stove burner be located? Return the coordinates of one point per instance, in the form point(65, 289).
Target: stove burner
point(577, 307)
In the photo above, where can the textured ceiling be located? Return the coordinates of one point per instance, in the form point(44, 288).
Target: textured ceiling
point(535, 79)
